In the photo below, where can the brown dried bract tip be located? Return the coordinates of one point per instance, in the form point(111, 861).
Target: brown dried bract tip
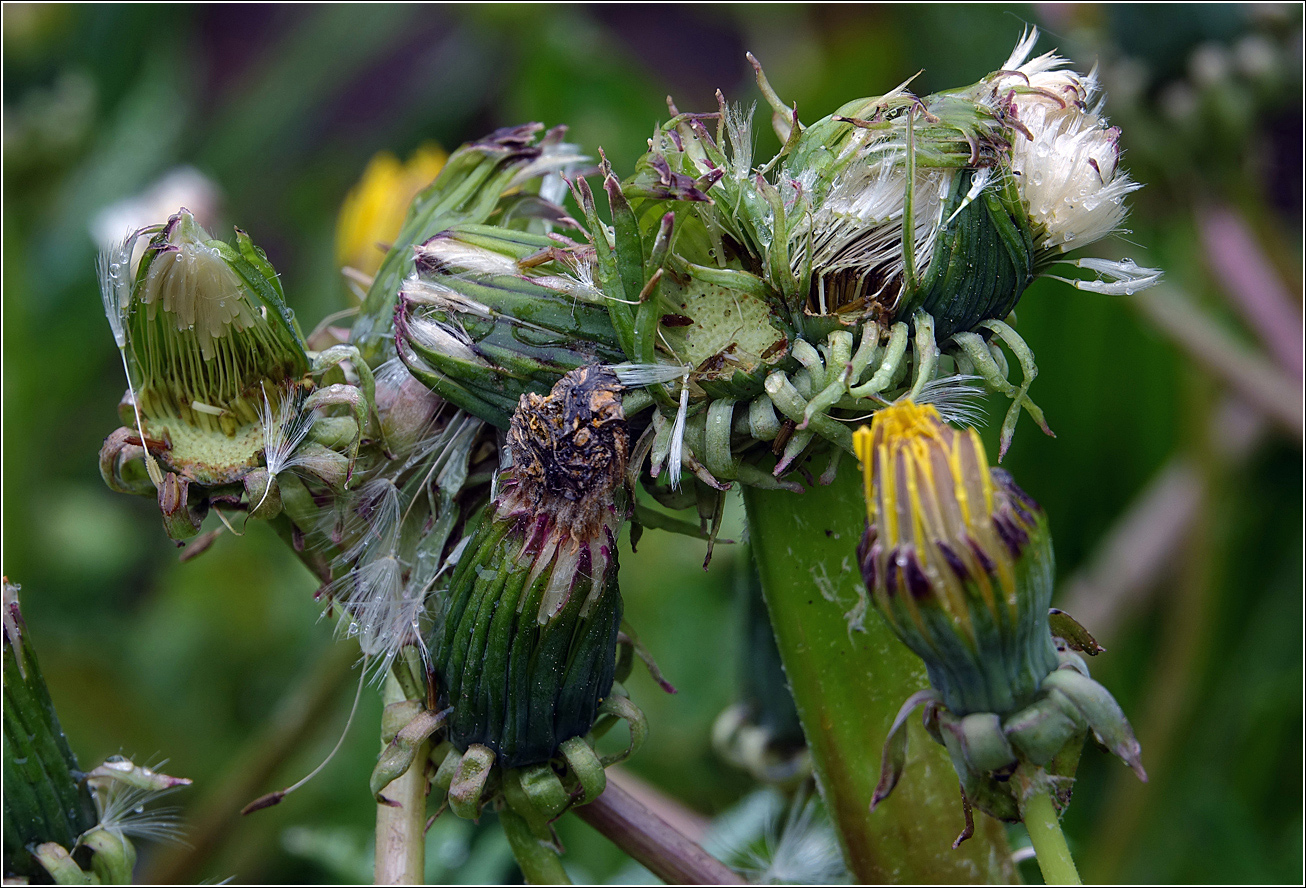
point(571, 444)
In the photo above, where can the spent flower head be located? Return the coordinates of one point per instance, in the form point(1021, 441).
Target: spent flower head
point(207, 335)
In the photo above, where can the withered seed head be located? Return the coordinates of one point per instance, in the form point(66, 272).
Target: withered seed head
point(572, 444)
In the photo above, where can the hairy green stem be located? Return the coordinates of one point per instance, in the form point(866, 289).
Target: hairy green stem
point(540, 864)
point(401, 818)
point(849, 675)
point(1049, 842)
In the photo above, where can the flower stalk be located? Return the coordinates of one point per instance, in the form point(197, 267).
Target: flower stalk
point(539, 861)
point(401, 816)
point(1049, 842)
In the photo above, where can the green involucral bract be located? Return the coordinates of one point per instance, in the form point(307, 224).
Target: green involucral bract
point(208, 331)
point(525, 649)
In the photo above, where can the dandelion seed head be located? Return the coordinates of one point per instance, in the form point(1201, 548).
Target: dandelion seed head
point(1064, 153)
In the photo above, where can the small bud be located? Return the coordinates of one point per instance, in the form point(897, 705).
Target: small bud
point(179, 519)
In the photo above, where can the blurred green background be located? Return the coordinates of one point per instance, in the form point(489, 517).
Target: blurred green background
point(1175, 492)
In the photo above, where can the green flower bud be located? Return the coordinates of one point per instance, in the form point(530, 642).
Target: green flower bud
point(222, 395)
point(60, 822)
point(525, 647)
point(511, 173)
point(479, 332)
point(957, 558)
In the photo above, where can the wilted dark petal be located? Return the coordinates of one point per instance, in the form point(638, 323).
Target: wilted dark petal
point(1026, 517)
point(1023, 504)
point(871, 567)
point(515, 139)
point(869, 536)
point(539, 533)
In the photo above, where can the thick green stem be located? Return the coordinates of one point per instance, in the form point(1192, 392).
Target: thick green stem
point(540, 864)
point(848, 677)
point(1049, 842)
point(401, 818)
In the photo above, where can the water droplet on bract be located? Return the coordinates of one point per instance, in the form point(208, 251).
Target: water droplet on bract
point(139, 809)
point(1070, 235)
point(1129, 291)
